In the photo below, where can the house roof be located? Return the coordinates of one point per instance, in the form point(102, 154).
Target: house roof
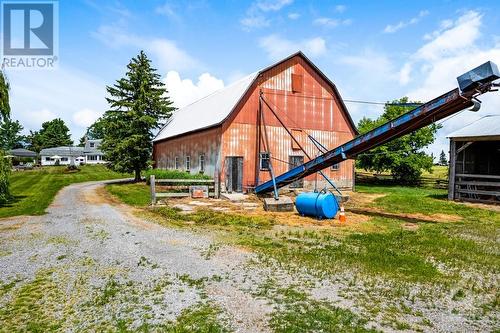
point(213, 109)
point(485, 126)
point(62, 151)
point(21, 152)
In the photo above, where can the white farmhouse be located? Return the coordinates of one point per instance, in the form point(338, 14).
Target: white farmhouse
point(89, 154)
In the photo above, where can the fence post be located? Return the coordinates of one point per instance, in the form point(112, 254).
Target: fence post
point(153, 189)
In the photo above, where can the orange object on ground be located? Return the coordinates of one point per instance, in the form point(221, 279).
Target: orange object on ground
point(342, 214)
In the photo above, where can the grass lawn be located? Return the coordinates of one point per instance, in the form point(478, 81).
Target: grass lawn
point(34, 190)
point(417, 249)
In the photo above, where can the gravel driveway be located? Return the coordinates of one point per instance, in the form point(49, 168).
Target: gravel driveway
point(90, 264)
point(130, 270)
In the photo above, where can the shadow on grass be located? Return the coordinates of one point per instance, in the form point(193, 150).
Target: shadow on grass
point(439, 196)
point(15, 199)
point(391, 216)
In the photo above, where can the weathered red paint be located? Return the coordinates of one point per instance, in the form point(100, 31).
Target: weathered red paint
point(316, 110)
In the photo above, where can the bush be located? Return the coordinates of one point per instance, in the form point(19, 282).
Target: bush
point(4, 179)
point(173, 174)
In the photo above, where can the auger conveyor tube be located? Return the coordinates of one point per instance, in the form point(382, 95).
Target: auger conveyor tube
point(426, 114)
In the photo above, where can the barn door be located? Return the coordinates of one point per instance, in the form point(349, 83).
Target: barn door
point(234, 174)
point(295, 161)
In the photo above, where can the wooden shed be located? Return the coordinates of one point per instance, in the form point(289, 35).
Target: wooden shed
point(232, 136)
point(474, 173)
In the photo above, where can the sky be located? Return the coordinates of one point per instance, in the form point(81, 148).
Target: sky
point(372, 50)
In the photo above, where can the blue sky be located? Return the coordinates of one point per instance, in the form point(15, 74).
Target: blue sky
point(371, 50)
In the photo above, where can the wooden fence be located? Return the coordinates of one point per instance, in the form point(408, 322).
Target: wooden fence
point(178, 188)
point(371, 178)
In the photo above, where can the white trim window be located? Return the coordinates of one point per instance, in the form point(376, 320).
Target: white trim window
point(188, 163)
point(265, 159)
point(335, 167)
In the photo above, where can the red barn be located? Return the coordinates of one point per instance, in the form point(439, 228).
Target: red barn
point(219, 135)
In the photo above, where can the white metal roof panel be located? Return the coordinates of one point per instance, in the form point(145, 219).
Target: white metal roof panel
point(485, 126)
point(206, 112)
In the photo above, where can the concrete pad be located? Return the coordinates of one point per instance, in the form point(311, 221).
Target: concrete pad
point(283, 204)
point(234, 197)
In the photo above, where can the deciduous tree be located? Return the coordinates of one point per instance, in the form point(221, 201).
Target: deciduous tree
point(53, 133)
point(10, 134)
point(402, 157)
point(4, 162)
point(138, 106)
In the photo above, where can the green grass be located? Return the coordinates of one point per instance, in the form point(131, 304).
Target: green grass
point(131, 194)
point(174, 174)
point(296, 311)
point(34, 190)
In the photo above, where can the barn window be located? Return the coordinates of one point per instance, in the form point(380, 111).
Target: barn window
point(297, 83)
point(296, 134)
point(176, 163)
point(188, 163)
point(202, 163)
point(335, 167)
point(264, 160)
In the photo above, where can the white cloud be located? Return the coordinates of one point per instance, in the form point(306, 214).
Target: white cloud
point(254, 21)
point(185, 91)
point(390, 28)
point(39, 96)
point(293, 16)
point(277, 47)
point(340, 8)
point(449, 52)
point(272, 5)
point(256, 14)
point(330, 22)
point(166, 10)
point(165, 52)
point(86, 117)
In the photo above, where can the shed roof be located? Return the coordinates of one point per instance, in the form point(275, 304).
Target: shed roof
point(21, 152)
point(213, 109)
point(485, 126)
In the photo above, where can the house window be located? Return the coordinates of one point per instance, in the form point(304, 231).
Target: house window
point(188, 163)
point(176, 164)
point(64, 159)
point(202, 163)
point(92, 157)
point(48, 159)
point(264, 160)
point(335, 167)
point(92, 145)
point(297, 83)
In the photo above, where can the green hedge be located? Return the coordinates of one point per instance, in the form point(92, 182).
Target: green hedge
point(4, 178)
point(173, 174)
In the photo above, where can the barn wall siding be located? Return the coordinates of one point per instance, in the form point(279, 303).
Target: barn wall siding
point(205, 142)
point(314, 109)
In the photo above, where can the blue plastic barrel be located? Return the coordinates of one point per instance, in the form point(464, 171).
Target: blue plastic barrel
point(317, 204)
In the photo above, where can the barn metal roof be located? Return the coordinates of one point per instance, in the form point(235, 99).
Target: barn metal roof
point(208, 111)
point(485, 126)
point(215, 108)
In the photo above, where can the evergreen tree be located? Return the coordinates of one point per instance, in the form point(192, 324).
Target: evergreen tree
point(403, 157)
point(138, 106)
point(94, 131)
point(442, 158)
